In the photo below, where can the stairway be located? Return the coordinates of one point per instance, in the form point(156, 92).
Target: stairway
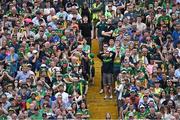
point(98, 107)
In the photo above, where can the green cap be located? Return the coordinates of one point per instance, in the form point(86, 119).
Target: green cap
point(65, 75)
point(91, 55)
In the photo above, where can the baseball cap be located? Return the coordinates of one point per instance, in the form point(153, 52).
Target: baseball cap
point(34, 51)
point(123, 71)
point(43, 66)
point(141, 106)
point(132, 91)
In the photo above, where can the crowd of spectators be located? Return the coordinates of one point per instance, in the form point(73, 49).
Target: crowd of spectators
point(46, 62)
point(47, 65)
point(139, 43)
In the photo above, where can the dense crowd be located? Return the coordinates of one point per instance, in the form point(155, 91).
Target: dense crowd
point(139, 43)
point(45, 59)
point(47, 65)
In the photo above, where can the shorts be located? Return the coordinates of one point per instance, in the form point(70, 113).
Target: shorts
point(107, 78)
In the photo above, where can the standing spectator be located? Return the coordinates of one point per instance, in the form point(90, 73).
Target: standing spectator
point(108, 31)
point(101, 25)
point(86, 28)
point(97, 10)
point(85, 11)
point(107, 58)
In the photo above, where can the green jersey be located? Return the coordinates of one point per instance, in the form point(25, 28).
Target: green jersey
point(116, 32)
point(37, 117)
point(101, 26)
point(113, 49)
point(142, 115)
point(83, 111)
point(166, 19)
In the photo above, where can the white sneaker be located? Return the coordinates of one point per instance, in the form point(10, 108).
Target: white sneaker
point(101, 91)
point(111, 97)
point(105, 97)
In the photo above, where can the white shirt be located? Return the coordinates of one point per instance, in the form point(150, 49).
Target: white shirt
point(65, 96)
point(64, 14)
point(70, 16)
point(113, 49)
point(141, 26)
point(1, 40)
point(113, 8)
point(36, 21)
point(120, 88)
point(37, 36)
point(47, 11)
point(49, 18)
point(9, 95)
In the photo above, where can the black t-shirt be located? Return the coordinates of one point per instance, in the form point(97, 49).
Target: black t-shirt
point(86, 29)
point(108, 62)
point(86, 12)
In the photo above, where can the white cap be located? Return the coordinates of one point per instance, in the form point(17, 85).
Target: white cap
point(34, 51)
point(43, 65)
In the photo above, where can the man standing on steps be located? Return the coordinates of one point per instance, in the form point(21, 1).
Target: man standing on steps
point(107, 58)
point(97, 10)
point(101, 25)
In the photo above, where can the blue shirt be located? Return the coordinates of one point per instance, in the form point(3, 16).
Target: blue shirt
point(159, 77)
point(22, 76)
point(177, 73)
point(13, 65)
point(14, 56)
point(55, 39)
point(53, 25)
point(2, 56)
point(175, 36)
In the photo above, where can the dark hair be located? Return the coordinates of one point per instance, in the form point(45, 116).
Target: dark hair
point(83, 101)
point(161, 94)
